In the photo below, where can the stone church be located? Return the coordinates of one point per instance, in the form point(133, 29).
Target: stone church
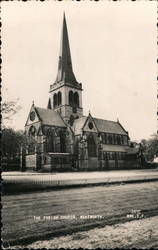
point(61, 138)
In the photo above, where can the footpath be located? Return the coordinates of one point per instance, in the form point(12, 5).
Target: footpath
point(30, 181)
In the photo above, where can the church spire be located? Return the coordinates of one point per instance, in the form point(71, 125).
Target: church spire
point(65, 72)
point(66, 92)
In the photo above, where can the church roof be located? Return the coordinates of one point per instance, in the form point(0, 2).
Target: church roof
point(109, 126)
point(102, 126)
point(78, 125)
point(50, 117)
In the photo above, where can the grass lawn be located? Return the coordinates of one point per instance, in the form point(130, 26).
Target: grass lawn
point(23, 215)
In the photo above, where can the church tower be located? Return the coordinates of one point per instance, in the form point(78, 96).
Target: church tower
point(66, 92)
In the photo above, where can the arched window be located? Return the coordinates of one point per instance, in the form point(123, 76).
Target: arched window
point(32, 131)
point(121, 138)
point(118, 140)
point(62, 142)
point(115, 139)
point(55, 100)
point(110, 139)
point(125, 140)
point(108, 156)
point(71, 98)
point(76, 99)
point(91, 147)
point(102, 137)
point(113, 155)
point(59, 98)
point(105, 138)
point(50, 141)
point(31, 144)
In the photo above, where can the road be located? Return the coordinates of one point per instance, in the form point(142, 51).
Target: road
point(38, 215)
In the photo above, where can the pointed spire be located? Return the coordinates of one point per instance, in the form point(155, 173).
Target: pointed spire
point(65, 71)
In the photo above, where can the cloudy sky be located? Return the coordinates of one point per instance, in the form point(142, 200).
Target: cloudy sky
point(113, 48)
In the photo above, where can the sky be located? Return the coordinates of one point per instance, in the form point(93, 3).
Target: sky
point(113, 50)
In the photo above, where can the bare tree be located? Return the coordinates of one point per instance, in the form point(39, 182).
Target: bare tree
point(8, 109)
point(150, 146)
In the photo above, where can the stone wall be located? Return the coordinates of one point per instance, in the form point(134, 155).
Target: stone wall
point(93, 163)
point(112, 164)
point(129, 164)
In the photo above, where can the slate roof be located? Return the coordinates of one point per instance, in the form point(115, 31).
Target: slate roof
point(109, 126)
point(53, 118)
point(102, 126)
point(78, 125)
point(50, 117)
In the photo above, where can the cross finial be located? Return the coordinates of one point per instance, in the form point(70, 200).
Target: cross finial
point(33, 102)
